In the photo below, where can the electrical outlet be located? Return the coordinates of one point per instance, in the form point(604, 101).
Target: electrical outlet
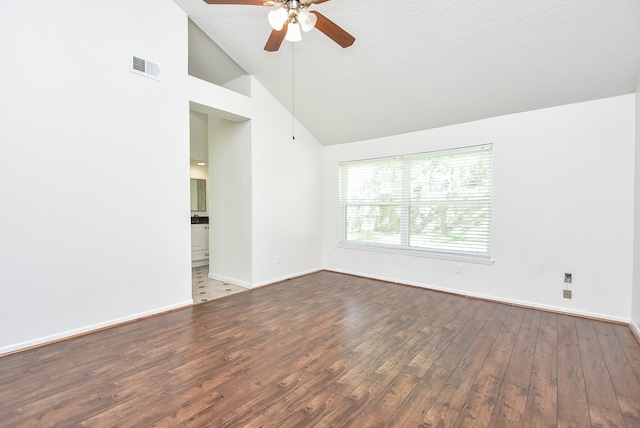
point(567, 278)
point(566, 294)
point(458, 267)
point(278, 259)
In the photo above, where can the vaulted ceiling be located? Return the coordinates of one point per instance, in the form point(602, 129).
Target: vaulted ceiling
point(419, 64)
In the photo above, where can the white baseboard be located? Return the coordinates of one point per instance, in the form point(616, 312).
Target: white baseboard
point(635, 329)
point(90, 328)
point(251, 285)
point(229, 280)
point(498, 299)
point(284, 278)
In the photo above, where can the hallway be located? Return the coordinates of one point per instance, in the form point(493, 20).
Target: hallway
point(204, 289)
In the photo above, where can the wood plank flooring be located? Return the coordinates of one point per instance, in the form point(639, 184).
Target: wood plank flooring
point(332, 350)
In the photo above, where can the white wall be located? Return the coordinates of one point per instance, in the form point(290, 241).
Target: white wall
point(198, 136)
point(287, 193)
point(562, 202)
point(200, 172)
point(635, 298)
point(208, 62)
point(230, 228)
point(94, 167)
point(266, 196)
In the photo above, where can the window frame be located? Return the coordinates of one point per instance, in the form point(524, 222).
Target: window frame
point(406, 203)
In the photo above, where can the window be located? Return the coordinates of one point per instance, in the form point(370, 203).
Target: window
point(435, 203)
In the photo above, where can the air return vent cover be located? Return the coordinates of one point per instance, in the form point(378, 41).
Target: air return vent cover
point(144, 67)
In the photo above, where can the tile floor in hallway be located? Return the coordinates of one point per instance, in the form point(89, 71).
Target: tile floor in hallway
point(204, 289)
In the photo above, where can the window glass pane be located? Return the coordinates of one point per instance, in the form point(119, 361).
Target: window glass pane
point(456, 176)
point(450, 228)
point(437, 202)
point(373, 223)
point(374, 181)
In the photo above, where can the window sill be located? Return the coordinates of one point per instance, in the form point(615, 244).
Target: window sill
point(404, 252)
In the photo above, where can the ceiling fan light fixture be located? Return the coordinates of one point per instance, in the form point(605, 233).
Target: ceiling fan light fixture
point(277, 18)
point(307, 20)
point(293, 32)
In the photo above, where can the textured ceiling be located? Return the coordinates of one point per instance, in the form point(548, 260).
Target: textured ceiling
point(419, 64)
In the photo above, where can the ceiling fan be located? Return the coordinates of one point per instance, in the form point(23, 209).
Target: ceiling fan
point(290, 17)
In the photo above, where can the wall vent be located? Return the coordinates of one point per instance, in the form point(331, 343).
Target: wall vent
point(146, 68)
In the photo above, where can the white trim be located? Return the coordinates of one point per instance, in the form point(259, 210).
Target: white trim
point(284, 278)
point(420, 154)
point(91, 328)
point(636, 330)
point(251, 286)
point(463, 293)
point(415, 253)
point(232, 281)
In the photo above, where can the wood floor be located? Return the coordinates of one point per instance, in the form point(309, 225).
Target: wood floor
point(332, 350)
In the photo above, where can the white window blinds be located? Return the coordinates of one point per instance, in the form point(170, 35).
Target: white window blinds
point(437, 202)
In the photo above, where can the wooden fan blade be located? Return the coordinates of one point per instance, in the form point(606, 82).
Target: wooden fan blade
point(239, 2)
point(275, 39)
point(333, 31)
